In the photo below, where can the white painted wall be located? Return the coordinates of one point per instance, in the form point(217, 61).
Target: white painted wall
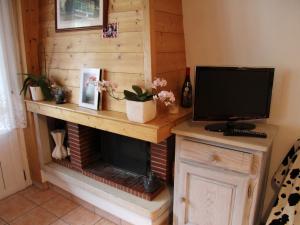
point(252, 33)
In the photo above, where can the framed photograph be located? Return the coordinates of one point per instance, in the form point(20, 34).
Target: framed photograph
point(89, 97)
point(80, 14)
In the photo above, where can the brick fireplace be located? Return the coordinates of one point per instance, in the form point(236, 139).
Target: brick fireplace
point(119, 161)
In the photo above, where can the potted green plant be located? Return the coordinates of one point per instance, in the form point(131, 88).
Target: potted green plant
point(141, 104)
point(39, 87)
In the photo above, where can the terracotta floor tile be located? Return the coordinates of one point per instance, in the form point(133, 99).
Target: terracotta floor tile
point(105, 222)
point(37, 216)
point(108, 216)
point(83, 203)
point(61, 192)
point(59, 206)
point(125, 223)
point(81, 216)
point(14, 206)
point(41, 196)
point(29, 190)
point(59, 222)
point(2, 222)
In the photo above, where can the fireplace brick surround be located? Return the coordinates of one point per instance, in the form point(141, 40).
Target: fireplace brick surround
point(84, 157)
point(82, 145)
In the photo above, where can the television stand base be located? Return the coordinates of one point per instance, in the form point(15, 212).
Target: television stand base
point(222, 127)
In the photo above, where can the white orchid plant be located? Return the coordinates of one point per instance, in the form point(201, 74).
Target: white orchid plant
point(138, 93)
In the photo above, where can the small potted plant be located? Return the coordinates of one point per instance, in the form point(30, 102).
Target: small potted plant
point(140, 104)
point(39, 87)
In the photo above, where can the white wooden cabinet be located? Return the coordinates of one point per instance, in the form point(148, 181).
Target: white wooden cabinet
point(219, 180)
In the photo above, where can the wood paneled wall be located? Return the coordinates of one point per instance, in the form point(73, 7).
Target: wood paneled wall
point(127, 58)
point(168, 43)
point(122, 58)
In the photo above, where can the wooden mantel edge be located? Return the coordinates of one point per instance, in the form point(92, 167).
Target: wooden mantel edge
point(155, 131)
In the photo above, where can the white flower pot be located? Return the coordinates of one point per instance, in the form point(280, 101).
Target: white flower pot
point(36, 93)
point(140, 112)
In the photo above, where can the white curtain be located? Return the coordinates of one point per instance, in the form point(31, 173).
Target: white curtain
point(12, 110)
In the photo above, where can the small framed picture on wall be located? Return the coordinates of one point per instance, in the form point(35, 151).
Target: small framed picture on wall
point(80, 14)
point(89, 97)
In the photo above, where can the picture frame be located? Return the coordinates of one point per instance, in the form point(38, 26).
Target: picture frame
point(89, 97)
point(73, 15)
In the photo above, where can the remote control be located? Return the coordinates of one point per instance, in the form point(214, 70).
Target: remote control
point(244, 133)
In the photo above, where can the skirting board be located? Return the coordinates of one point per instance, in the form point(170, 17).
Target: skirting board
point(120, 204)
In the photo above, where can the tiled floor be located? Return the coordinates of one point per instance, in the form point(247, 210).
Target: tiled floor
point(47, 207)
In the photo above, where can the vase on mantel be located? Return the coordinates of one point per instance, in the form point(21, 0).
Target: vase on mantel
point(140, 112)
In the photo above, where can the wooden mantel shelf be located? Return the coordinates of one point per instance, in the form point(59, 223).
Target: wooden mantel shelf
point(154, 131)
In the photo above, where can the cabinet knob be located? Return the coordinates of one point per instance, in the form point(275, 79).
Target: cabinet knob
point(183, 200)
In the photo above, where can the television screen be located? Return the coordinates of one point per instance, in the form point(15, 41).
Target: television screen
point(232, 93)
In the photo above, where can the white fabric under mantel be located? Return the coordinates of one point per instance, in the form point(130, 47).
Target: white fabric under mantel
point(12, 110)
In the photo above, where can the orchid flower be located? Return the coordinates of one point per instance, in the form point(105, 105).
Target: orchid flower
point(167, 97)
point(109, 87)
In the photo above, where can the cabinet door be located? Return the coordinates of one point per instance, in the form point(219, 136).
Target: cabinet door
point(12, 177)
point(210, 197)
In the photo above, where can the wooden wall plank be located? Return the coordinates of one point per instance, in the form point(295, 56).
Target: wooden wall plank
point(168, 62)
point(128, 21)
point(113, 62)
point(170, 6)
point(125, 5)
point(169, 23)
point(169, 42)
point(130, 42)
point(30, 19)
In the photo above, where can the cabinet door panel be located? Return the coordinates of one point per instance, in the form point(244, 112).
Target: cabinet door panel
point(210, 197)
point(206, 199)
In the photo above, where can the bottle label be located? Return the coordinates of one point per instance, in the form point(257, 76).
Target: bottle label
point(186, 91)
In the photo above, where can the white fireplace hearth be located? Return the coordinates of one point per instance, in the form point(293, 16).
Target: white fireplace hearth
point(125, 206)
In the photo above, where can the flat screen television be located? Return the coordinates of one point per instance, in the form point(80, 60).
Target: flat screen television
point(231, 94)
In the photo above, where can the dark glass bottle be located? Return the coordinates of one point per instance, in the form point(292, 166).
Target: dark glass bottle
point(186, 93)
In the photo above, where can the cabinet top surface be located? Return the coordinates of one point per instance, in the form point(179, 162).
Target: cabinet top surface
point(197, 130)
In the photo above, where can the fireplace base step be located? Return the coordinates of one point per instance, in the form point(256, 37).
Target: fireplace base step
point(117, 178)
point(121, 179)
point(119, 203)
